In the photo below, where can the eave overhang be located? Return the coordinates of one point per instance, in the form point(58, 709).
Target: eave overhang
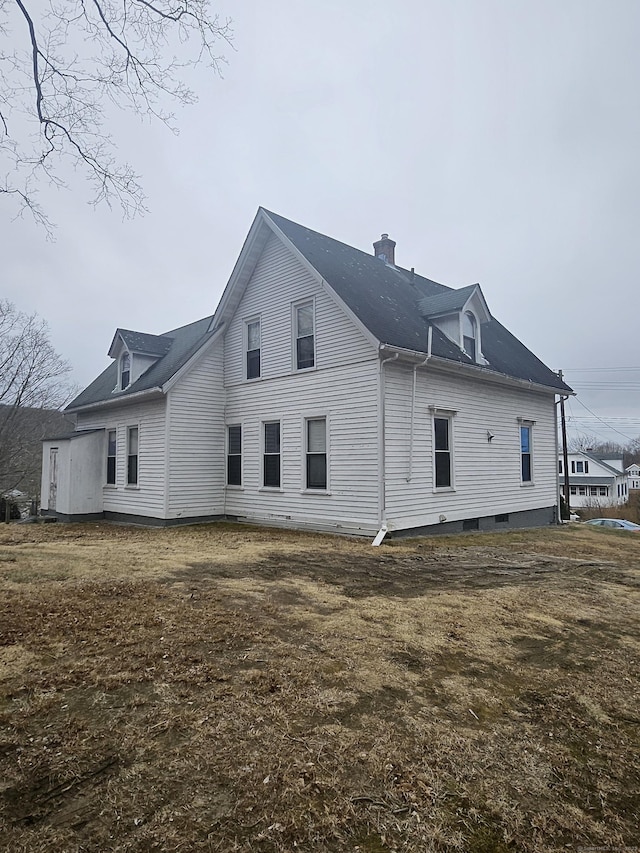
point(123, 399)
point(472, 371)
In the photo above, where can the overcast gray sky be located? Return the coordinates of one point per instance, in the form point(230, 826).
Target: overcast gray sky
point(495, 141)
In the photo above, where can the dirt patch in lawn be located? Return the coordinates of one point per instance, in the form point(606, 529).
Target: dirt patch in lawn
point(225, 688)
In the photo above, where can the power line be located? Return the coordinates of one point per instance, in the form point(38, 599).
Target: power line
point(598, 418)
point(597, 369)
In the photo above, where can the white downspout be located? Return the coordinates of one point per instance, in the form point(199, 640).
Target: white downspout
point(382, 484)
point(413, 401)
point(566, 473)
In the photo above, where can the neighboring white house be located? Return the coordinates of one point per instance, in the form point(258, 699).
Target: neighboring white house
point(331, 389)
point(595, 479)
point(633, 476)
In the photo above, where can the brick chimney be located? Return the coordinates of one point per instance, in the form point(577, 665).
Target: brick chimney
point(385, 249)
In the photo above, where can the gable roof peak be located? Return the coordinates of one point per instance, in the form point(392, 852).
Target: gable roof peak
point(139, 342)
point(385, 299)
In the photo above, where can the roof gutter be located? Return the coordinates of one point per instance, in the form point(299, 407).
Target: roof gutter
point(147, 394)
point(483, 373)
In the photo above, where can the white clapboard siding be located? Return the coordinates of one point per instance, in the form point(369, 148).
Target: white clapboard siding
point(486, 474)
point(148, 497)
point(278, 282)
point(197, 439)
point(348, 398)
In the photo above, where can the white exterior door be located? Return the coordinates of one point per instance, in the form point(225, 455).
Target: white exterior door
point(53, 477)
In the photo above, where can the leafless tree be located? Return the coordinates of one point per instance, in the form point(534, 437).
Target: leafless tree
point(585, 441)
point(65, 63)
point(33, 384)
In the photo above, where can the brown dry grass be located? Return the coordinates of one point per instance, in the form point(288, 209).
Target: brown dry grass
point(224, 688)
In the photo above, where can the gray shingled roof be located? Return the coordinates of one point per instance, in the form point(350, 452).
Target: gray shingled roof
point(445, 303)
point(183, 343)
point(143, 343)
point(387, 300)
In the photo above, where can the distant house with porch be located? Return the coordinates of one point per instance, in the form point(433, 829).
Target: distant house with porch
point(595, 479)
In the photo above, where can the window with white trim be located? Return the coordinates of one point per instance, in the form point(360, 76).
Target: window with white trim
point(252, 347)
point(271, 455)
point(304, 322)
point(234, 455)
point(526, 456)
point(132, 456)
point(125, 370)
point(469, 335)
point(316, 453)
point(112, 445)
point(442, 451)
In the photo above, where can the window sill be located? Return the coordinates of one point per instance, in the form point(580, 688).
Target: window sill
point(437, 490)
point(110, 486)
point(133, 487)
point(304, 369)
point(278, 489)
point(315, 492)
point(233, 488)
point(528, 485)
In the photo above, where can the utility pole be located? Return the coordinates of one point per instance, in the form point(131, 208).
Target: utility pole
point(565, 455)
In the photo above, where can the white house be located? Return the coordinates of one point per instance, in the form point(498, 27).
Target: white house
point(633, 476)
point(595, 479)
point(331, 389)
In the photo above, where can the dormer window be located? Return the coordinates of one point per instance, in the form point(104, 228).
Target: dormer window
point(125, 371)
point(469, 335)
point(134, 353)
point(460, 315)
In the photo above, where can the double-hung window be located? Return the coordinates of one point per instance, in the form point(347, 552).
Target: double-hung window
point(132, 456)
point(271, 455)
point(305, 336)
point(469, 336)
point(111, 457)
point(442, 452)
point(234, 455)
point(253, 349)
point(316, 452)
point(526, 469)
point(125, 371)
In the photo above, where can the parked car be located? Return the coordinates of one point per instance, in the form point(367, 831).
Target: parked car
point(614, 523)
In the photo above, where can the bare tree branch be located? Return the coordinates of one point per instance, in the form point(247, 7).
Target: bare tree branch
point(33, 377)
point(65, 63)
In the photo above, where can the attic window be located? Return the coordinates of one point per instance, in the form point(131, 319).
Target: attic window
point(125, 371)
point(469, 334)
